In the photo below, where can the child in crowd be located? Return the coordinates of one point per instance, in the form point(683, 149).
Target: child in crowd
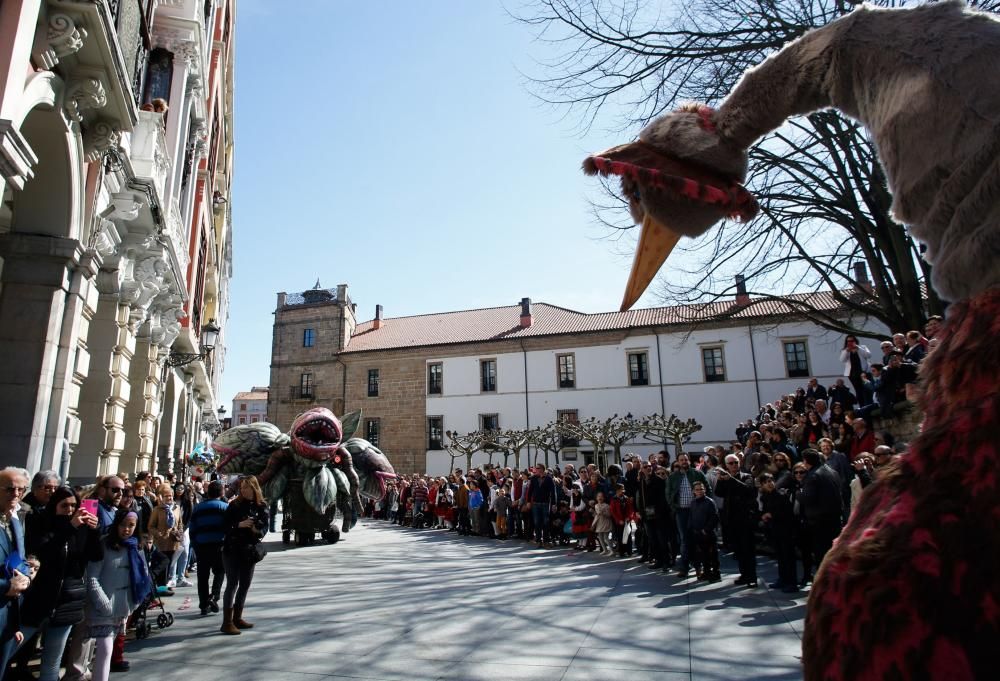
point(704, 520)
point(408, 517)
point(561, 526)
point(475, 502)
point(501, 504)
point(602, 523)
point(622, 515)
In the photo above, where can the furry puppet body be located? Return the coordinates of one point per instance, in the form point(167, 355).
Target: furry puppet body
point(911, 589)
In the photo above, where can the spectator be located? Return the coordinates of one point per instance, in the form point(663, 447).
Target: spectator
point(246, 522)
point(864, 439)
point(803, 535)
point(822, 411)
point(738, 490)
point(602, 524)
point(501, 505)
point(899, 342)
point(814, 391)
point(821, 502)
point(841, 395)
point(887, 348)
point(704, 520)
point(814, 430)
point(933, 327)
point(915, 348)
point(841, 464)
point(540, 498)
point(680, 493)
point(475, 503)
point(64, 542)
point(166, 527)
point(779, 523)
point(116, 585)
point(144, 505)
point(43, 484)
point(622, 515)
point(207, 530)
point(109, 490)
point(14, 579)
point(855, 358)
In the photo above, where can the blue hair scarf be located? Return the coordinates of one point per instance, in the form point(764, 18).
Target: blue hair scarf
point(142, 585)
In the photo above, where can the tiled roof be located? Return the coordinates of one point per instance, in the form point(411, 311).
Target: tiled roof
point(251, 396)
point(502, 323)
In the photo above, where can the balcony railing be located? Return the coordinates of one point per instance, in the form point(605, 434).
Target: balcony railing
point(150, 159)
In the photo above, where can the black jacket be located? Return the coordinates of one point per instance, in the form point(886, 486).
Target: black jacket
point(779, 504)
point(704, 515)
point(741, 497)
point(238, 538)
point(821, 495)
point(58, 590)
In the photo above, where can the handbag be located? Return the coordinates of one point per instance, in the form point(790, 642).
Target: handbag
point(256, 553)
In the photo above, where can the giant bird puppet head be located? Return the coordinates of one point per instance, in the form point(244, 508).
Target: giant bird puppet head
point(924, 81)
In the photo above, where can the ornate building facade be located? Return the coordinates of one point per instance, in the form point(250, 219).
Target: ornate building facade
point(116, 149)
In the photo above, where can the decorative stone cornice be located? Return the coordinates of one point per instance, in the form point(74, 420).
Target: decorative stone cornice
point(99, 138)
point(165, 315)
point(199, 138)
point(17, 158)
point(144, 280)
point(83, 94)
point(63, 37)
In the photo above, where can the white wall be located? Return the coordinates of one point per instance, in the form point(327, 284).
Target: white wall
point(602, 387)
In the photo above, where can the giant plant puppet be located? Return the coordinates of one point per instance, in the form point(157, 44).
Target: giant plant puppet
point(911, 589)
point(334, 467)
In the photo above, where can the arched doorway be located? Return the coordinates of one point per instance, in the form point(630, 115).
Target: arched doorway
point(40, 301)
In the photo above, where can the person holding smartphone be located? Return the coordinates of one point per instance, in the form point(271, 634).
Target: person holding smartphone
point(246, 523)
point(54, 601)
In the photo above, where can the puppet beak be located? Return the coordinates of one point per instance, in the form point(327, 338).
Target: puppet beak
point(655, 243)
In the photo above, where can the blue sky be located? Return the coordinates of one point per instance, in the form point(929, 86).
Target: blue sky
point(393, 146)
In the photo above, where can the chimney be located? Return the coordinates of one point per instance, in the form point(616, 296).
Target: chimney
point(342, 293)
point(742, 297)
point(525, 312)
point(377, 323)
point(861, 276)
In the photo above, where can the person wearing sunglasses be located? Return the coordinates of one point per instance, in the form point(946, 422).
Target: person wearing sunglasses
point(109, 493)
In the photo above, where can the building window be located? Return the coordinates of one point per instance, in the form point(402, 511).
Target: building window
point(435, 432)
point(308, 338)
point(306, 385)
point(243, 406)
point(572, 415)
point(254, 419)
point(435, 379)
point(373, 383)
point(488, 422)
point(371, 431)
point(567, 370)
point(715, 366)
point(796, 359)
point(638, 368)
point(243, 420)
point(488, 375)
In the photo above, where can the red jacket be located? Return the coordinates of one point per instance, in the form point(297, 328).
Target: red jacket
point(865, 444)
point(621, 512)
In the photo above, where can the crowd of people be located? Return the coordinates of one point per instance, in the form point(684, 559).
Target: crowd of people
point(785, 484)
point(79, 564)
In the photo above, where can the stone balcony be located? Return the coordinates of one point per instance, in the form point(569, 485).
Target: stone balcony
point(150, 159)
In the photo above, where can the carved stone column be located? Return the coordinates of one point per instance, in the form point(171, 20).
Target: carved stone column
point(40, 308)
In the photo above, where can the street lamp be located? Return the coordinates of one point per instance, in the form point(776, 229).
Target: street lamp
point(209, 335)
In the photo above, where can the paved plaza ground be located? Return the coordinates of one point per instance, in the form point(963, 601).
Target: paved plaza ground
point(395, 603)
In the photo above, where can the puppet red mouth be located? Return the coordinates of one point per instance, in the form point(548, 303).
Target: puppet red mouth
point(640, 165)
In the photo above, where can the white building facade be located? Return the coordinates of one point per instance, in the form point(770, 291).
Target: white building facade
point(718, 376)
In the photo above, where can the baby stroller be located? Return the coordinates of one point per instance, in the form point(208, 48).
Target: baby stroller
point(141, 616)
point(158, 564)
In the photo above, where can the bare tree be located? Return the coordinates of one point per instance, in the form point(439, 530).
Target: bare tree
point(466, 445)
point(597, 432)
point(547, 439)
point(824, 198)
point(656, 428)
point(622, 430)
point(512, 442)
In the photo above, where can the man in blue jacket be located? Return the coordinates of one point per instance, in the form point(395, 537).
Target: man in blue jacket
point(14, 574)
point(207, 530)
